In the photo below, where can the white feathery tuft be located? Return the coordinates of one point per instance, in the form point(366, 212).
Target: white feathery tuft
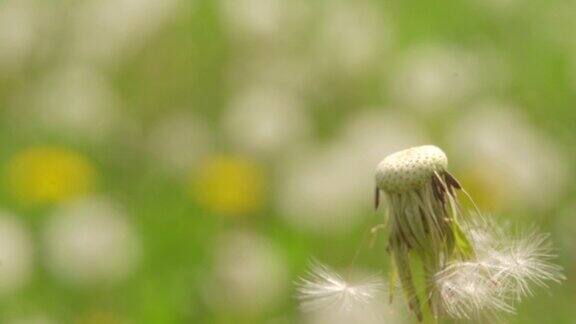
point(324, 289)
point(506, 269)
point(466, 290)
point(484, 233)
point(524, 262)
point(519, 261)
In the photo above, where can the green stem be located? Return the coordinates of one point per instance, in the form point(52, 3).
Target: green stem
point(428, 317)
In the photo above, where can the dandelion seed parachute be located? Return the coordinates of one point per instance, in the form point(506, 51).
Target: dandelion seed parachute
point(503, 271)
point(521, 262)
point(325, 289)
point(466, 290)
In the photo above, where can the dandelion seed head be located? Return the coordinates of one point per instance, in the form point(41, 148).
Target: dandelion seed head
point(423, 215)
point(325, 290)
point(410, 168)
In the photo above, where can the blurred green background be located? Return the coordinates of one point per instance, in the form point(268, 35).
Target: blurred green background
point(180, 161)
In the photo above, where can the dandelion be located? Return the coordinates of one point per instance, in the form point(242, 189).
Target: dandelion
point(50, 174)
point(229, 185)
point(450, 263)
point(16, 254)
point(423, 216)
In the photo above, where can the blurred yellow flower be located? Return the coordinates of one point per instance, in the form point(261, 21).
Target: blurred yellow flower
point(229, 185)
point(47, 174)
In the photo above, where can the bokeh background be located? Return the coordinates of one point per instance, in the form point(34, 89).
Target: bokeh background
point(180, 161)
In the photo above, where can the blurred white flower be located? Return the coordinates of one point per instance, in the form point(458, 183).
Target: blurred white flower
point(251, 273)
point(91, 241)
point(283, 71)
point(433, 75)
point(439, 76)
point(262, 18)
point(324, 188)
point(31, 319)
point(18, 24)
point(16, 254)
point(73, 100)
point(179, 141)
point(105, 31)
point(352, 35)
point(254, 17)
point(265, 120)
point(523, 164)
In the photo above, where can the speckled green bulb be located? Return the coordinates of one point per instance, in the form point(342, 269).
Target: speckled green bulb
point(410, 169)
